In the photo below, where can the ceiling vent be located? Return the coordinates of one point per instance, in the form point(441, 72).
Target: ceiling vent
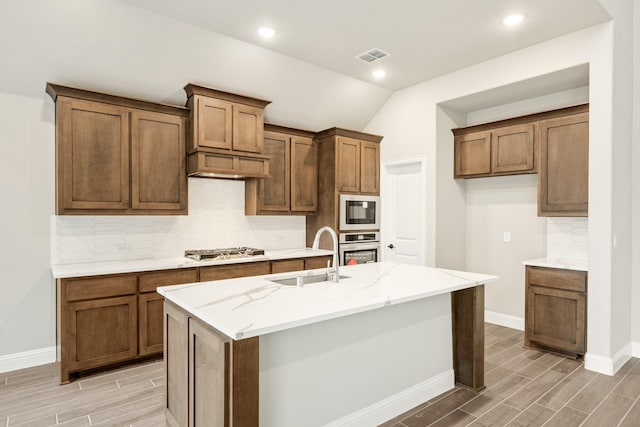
point(372, 55)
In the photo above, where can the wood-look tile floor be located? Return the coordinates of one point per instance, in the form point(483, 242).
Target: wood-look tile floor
point(533, 388)
point(524, 388)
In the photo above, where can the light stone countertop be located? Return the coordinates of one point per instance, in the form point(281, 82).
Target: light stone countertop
point(131, 266)
point(565, 263)
point(254, 306)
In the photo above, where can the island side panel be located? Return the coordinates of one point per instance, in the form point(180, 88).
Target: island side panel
point(176, 365)
point(467, 315)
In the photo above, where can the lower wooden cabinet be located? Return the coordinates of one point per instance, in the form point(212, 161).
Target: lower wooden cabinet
point(105, 320)
point(211, 379)
point(100, 332)
point(556, 309)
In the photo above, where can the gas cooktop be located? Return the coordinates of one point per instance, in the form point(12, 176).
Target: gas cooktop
point(224, 253)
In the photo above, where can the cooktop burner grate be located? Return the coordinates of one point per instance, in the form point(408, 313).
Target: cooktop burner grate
point(223, 253)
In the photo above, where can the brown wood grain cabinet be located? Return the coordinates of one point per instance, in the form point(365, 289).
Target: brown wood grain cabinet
point(292, 185)
point(117, 155)
point(358, 166)
point(226, 134)
point(555, 309)
point(210, 378)
point(501, 151)
point(563, 181)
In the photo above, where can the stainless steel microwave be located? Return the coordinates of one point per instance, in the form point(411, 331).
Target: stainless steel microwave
point(358, 212)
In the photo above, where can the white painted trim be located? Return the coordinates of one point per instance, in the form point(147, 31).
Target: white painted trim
point(398, 403)
point(27, 359)
point(506, 320)
point(635, 349)
point(609, 366)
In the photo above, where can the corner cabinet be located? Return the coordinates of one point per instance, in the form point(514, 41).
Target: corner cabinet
point(292, 187)
point(118, 156)
point(226, 134)
point(563, 181)
point(556, 309)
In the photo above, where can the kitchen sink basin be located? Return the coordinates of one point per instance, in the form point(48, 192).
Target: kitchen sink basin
point(293, 281)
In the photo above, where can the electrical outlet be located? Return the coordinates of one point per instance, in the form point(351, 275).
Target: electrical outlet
point(507, 237)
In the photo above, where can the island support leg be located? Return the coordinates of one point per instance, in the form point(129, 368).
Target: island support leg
point(467, 312)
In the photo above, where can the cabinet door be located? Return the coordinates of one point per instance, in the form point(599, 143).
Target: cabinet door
point(472, 154)
point(93, 156)
point(348, 165)
point(317, 262)
point(248, 128)
point(150, 323)
point(274, 192)
point(214, 120)
point(563, 181)
point(369, 167)
point(512, 149)
point(304, 174)
point(101, 332)
point(176, 365)
point(556, 318)
point(159, 179)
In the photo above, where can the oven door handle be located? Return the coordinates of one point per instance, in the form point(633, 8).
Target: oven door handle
point(359, 246)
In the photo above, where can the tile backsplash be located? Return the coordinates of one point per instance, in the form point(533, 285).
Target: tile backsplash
point(216, 219)
point(567, 238)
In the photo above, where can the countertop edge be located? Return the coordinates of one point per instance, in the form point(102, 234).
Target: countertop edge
point(566, 264)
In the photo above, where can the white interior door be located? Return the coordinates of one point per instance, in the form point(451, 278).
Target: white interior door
point(403, 207)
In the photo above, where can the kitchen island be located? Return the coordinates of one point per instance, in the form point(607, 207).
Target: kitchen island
point(252, 351)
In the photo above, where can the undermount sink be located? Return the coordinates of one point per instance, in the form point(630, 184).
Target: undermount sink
point(316, 278)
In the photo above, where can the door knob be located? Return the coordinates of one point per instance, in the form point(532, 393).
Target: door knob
point(391, 246)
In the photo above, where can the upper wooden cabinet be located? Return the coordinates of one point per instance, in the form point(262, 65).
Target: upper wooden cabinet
point(117, 155)
point(358, 165)
point(502, 151)
point(563, 181)
point(225, 134)
point(292, 186)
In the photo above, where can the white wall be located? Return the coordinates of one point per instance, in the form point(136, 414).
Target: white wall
point(494, 206)
point(409, 122)
point(27, 309)
point(636, 184)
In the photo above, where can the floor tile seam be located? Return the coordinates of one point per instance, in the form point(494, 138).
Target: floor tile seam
point(448, 413)
point(111, 374)
point(500, 352)
point(53, 405)
point(635, 402)
point(514, 392)
point(543, 372)
point(599, 403)
point(126, 402)
point(120, 406)
point(478, 416)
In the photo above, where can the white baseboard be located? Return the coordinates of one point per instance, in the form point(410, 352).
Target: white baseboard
point(506, 320)
point(27, 359)
point(609, 365)
point(635, 349)
point(398, 403)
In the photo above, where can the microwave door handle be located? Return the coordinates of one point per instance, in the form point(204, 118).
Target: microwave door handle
point(359, 247)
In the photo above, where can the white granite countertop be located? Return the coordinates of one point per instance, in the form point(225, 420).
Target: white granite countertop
point(566, 263)
point(253, 306)
point(130, 266)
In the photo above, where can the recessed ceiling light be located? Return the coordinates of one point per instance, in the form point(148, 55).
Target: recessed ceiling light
point(513, 20)
point(379, 74)
point(266, 32)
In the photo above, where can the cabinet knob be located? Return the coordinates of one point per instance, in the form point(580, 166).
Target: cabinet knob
point(390, 246)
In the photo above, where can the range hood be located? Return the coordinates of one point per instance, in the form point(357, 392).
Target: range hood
point(226, 135)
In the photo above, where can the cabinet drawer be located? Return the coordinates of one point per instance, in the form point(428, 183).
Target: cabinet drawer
point(316, 262)
point(148, 282)
point(99, 287)
point(285, 266)
point(233, 271)
point(569, 280)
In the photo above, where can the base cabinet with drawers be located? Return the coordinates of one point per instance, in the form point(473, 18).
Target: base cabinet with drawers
point(117, 318)
point(556, 309)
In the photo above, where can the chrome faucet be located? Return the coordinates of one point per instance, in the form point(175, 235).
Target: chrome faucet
point(335, 272)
